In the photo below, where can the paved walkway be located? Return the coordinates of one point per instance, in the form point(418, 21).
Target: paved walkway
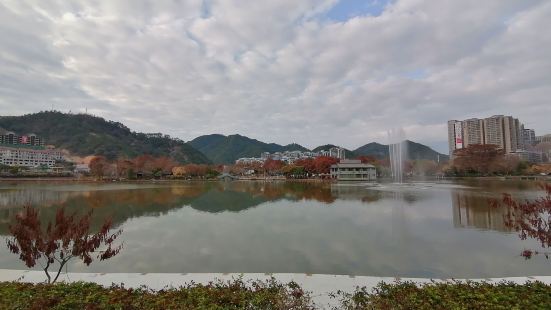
point(319, 285)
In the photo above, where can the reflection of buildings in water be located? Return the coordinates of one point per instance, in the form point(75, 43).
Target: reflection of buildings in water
point(354, 192)
point(471, 210)
point(20, 197)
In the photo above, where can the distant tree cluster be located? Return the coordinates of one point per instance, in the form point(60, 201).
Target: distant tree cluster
point(487, 159)
point(191, 171)
point(144, 165)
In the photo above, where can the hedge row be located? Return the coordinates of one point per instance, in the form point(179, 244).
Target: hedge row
point(456, 295)
point(235, 294)
point(271, 294)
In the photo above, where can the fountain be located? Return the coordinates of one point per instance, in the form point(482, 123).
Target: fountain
point(397, 148)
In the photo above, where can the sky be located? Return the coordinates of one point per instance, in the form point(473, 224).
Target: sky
point(311, 71)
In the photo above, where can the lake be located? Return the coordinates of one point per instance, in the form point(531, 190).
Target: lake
point(439, 229)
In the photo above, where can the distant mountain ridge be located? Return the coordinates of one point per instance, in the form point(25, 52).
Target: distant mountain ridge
point(227, 149)
point(415, 151)
point(83, 135)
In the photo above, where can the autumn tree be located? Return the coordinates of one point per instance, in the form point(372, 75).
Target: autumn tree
point(307, 165)
point(478, 158)
point(99, 166)
point(272, 166)
point(67, 238)
point(530, 219)
point(125, 167)
point(144, 163)
point(322, 164)
point(163, 164)
point(366, 159)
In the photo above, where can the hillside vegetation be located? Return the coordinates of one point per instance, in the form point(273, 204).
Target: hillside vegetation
point(415, 151)
point(227, 149)
point(83, 134)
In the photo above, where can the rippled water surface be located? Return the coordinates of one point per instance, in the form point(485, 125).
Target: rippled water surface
point(444, 229)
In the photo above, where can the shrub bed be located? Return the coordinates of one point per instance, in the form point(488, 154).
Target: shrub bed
point(235, 294)
point(456, 295)
point(271, 294)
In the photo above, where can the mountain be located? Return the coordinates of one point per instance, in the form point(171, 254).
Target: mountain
point(347, 153)
point(414, 151)
point(374, 149)
point(227, 149)
point(83, 134)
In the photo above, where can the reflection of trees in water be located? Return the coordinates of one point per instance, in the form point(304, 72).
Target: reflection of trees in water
point(530, 219)
point(470, 209)
point(214, 197)
point(499, 186)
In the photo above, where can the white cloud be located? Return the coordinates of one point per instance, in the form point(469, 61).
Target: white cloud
point(279, 70)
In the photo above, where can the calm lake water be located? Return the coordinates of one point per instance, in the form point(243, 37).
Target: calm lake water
point(444, 229)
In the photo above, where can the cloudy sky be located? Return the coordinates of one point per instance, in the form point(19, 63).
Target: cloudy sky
point(308, 71)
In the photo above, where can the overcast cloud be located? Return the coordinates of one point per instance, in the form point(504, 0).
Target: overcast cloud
point(311, 72)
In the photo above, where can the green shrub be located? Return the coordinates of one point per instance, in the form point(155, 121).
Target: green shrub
point(235, 294)
point(456, 295)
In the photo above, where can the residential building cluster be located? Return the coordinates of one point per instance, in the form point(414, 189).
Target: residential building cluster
point(290, 157)
point(506, 132)
point(11, 138)
point(26, 151)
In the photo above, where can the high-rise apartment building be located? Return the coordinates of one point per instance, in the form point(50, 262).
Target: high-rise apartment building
point(528, 137)
point(473, 131)
point(455, 136)
point(512, 134)
point(493, 131)
point(504, 131)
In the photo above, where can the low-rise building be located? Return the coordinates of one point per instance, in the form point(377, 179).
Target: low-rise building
point(353, 170)
point(29, 157)
point(529, 156)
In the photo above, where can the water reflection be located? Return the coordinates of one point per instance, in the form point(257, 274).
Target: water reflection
point(473, 210)
point(121, 202)
point(417, 230)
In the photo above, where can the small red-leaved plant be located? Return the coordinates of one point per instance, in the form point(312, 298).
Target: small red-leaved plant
point(68, 237)
point(530, 219)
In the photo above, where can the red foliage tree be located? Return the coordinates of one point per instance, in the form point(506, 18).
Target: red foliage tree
point(98, 166)
point(478, 158)
point(530, 219)
point(66, 238)
point(164, 164)
point(123, 166)
point(273, 166)
point(322, 164)
point(369, 160)
point(308, 165)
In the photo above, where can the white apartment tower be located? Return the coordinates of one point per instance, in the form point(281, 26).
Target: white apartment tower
point(455, 136)
point(504, 131)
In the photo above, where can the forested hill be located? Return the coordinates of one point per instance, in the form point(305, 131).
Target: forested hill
point(227, 149)
point(83, 134)
point(414, 151)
